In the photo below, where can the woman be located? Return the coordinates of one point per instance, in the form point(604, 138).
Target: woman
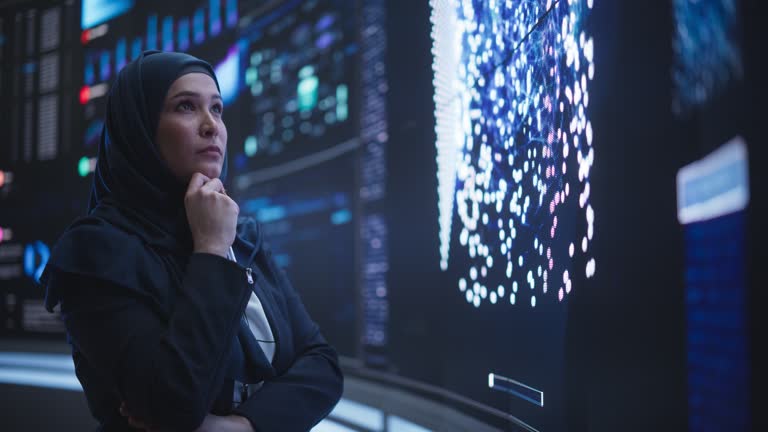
point(177, 315)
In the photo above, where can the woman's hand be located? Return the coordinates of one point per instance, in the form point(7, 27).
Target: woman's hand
point(135, 422)
point(212, 215)
point(211, 423)
point(231, 423)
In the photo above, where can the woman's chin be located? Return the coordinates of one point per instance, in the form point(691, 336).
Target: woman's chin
point(210, 170)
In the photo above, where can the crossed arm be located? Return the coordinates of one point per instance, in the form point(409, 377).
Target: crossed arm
point(168, 370)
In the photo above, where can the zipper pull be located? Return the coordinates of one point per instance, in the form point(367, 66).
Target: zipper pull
point(248, 272)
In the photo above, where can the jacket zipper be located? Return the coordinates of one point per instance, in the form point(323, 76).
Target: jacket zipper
point(248, 271)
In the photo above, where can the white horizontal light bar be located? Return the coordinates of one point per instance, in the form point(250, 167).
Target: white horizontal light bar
point(40, 378)
point(398, 424)
point(331, 426)
point(715, 185)
point(498, 382)
point(359, 415)
point(57, 362)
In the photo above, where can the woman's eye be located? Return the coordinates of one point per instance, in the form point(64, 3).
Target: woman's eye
point(218, 109)
point(186, 106)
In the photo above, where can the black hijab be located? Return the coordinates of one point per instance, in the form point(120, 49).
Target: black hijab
point(133, 187)
point(136, 202)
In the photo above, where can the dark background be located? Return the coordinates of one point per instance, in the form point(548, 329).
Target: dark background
point(614, 354)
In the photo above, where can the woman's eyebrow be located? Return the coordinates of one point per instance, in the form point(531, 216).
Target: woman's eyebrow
point(193, 94)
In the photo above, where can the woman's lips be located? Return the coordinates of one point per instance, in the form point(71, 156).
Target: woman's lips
point(210, 151)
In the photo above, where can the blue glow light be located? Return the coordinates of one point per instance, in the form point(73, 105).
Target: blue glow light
point(269, 214)
point(135, 48)
point(95, 12)
point(707, 52)
point(93, 132)
point(514, 139)
point(228, 74)
point(182, 39)
point(214, 10)
point(120, 54)
point(152, 32)
point(341, 217)
point(105, 66)
point(167, 33)
point(231, 11)
point(198, 26)
point(90, 74)
point(35, 258)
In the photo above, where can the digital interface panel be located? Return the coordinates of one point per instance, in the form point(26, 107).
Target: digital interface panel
point(707, 50)
point(713, 194)
point(514, 145)
point(514, 153)
point(304, 211)
point(298, 64)
point(38, 45)
point(292, 62)
point(293, 156)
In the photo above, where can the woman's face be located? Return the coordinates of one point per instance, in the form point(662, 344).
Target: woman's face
point(191, 134)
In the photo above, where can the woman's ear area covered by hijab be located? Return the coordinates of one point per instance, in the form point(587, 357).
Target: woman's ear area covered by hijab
point(191, 135)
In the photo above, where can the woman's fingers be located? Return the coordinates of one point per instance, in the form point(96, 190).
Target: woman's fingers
point(213, 185)
point(196, 182)
point(133, 421)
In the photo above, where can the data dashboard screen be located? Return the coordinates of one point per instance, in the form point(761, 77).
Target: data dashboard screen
point(293, 150)
point(39, 53)
point(287, 72)
point(298, 67)
point(514, 151)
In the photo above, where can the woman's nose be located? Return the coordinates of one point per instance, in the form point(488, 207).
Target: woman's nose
point(208, 127)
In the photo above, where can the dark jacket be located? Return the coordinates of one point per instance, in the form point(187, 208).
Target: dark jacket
point(163, 348)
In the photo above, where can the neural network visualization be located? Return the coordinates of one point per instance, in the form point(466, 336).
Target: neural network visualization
point(514, 146)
